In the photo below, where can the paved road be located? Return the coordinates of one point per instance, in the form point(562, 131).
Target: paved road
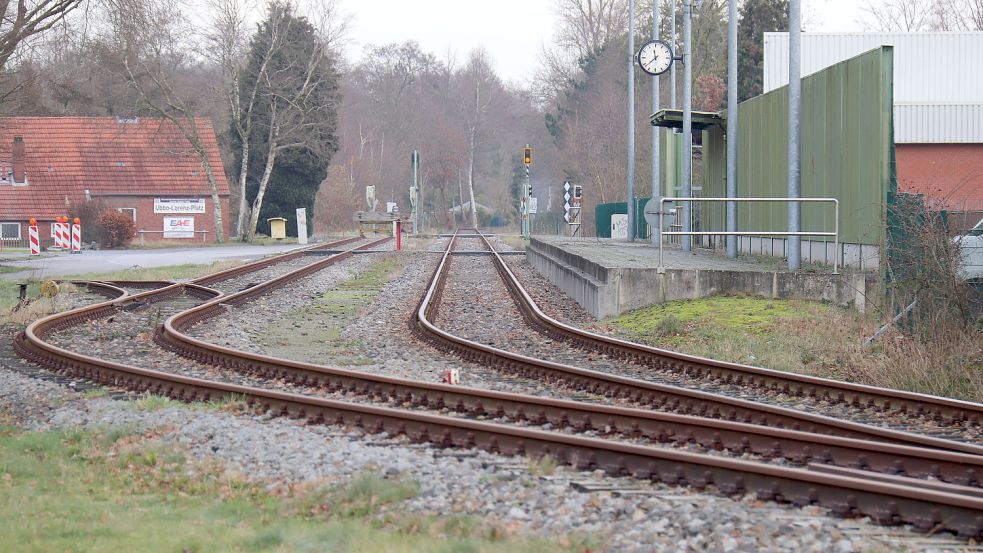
point(104, 261)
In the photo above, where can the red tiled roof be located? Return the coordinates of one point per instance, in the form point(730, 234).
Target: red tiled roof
point(66, 155)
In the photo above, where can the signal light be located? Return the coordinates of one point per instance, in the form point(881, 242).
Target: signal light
point(527, 155)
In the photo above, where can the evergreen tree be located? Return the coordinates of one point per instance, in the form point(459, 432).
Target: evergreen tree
point(756, 18)
point(295, 117)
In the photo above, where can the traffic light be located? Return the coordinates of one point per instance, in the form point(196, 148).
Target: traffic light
point(527, 155)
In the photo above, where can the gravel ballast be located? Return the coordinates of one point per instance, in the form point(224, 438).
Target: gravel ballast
point(627, 515)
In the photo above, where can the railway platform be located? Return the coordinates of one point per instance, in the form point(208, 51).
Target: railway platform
point(609, 277)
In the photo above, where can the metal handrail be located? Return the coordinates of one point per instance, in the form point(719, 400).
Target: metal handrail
point(835, 234)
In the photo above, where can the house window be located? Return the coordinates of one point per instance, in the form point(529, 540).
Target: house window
point(131, 211)
point(9, 231)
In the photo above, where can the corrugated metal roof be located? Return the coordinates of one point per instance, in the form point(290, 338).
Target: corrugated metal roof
point(938, 97)
point(938, 123)
point(928, 67)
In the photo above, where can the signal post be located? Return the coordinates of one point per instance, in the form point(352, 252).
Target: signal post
point(526, 192)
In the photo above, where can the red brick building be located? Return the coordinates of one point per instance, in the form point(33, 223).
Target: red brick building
point(144, 167)
point(948, 176)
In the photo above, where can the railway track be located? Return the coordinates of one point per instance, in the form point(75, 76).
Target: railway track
point(888, 498)
point(635, 424)
point(898, 402)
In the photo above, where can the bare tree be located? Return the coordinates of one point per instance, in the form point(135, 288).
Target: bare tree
point(229, 47)
point(23, 19)
point(587, 25)
point(146, 34)
point(297, 91)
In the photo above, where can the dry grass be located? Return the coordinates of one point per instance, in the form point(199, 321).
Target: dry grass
point(811, 338)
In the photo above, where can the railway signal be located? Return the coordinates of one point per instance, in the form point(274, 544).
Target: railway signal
point(572, 195)
point(526, 192)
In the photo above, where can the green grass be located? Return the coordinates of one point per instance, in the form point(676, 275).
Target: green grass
point(117, 491)
point(153, 402)
point(807, 337)
point(9, 269)
point(315, 332)
point(692, 322)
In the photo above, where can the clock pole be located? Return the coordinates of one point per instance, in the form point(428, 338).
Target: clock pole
point(687, 122)
point(631, 120)
point(656, 165)
point(732, 127)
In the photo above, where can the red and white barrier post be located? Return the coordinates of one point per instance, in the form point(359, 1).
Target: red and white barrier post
point(32, 232)
point(59, 234)
point(452, 376)
point(76, 236)
point(398, 233)
point(66, 234)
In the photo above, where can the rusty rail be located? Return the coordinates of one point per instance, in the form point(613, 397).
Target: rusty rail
point(928, 508)
point(942, 409)
point(800, 447)
point(683, 400)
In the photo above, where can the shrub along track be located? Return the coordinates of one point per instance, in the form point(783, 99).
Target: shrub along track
point(888, 499)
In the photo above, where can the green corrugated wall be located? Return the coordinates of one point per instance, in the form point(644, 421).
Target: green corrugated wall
point(846, 151)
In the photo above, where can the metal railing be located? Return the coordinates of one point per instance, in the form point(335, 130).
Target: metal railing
point(835, 234)
point(141, 232)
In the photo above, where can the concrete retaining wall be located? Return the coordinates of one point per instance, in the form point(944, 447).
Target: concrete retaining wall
point(605, 291)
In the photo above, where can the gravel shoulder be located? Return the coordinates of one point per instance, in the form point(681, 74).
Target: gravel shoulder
point(524, 496)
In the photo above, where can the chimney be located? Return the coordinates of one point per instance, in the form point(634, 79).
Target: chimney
point(17, 155)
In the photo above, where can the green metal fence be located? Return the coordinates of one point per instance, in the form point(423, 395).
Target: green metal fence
point(603, 213)
point(847, 152)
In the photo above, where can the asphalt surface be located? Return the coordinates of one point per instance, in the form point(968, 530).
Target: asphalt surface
point(104, 261)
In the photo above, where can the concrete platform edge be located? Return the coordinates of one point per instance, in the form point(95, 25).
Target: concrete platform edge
point(609, 291)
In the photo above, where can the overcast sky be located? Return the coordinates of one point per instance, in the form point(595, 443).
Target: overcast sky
point(512, 31)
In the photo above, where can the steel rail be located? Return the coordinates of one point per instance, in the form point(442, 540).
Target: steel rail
point(683, 400)
point(106, 289)
point(233, 272)
point(928, 510)
point(799, 447)
point(942, 409)
point(195, 288)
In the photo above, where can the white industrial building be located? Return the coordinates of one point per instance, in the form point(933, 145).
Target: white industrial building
point(938, 105)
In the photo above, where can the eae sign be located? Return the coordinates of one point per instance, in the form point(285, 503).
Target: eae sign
point(179, 227)
point(179, 205)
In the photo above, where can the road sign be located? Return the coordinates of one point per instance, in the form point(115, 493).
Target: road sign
point(533, 204)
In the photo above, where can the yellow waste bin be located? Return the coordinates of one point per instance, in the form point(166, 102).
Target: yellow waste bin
point(278, 227)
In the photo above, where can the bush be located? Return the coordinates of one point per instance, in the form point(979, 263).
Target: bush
point(115, 228)
point(88, 213)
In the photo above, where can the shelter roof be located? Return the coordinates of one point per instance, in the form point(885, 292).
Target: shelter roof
point(673, 119)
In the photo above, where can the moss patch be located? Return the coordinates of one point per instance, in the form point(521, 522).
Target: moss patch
point(682, 322)
point(116, 491)
point(315, 332)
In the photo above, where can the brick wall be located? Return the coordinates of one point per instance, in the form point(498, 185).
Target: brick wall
point(153, 223)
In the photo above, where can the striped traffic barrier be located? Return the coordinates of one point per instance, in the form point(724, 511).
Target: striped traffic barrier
point(63, 236)
point(32, 232)
point(76, 237)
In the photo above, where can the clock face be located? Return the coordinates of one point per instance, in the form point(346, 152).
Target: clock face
point(655, 57)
